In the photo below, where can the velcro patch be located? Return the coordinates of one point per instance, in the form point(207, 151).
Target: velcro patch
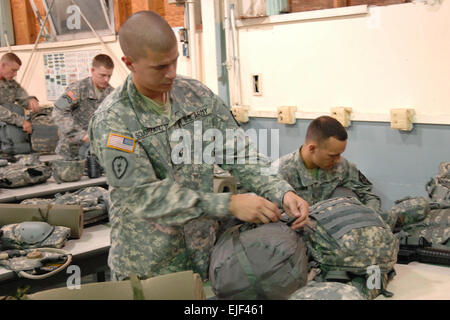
point(363, 179)
point(72, 95)
point(121, 143)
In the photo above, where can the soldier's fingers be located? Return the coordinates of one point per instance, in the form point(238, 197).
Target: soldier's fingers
point(270, 214)
point(300, 222)
point(263, 218)
point(273, 208)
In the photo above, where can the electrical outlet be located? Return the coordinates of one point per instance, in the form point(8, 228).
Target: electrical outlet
point(287, 114)
point(402, 119)
point(240, 113)
point(257, 84)
point(342, 114)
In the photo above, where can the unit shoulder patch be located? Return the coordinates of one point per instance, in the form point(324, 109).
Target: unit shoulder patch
point(119, 166)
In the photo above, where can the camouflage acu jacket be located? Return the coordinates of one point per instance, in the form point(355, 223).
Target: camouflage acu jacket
point(153, 198)
point(12, 92)
point(345, 174)
point(74, 109)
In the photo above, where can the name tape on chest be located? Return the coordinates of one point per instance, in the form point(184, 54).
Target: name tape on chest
point(122, 143)
point(182, 122)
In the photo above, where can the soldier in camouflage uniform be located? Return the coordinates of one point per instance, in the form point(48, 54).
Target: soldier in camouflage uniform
point(75, 107)
point(164, 214)
point(318, 169)
point(12, 92)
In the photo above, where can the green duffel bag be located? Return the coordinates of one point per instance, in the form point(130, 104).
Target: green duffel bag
point(263, 262)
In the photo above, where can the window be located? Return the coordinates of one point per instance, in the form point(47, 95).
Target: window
point(67, 22)
point(309, 5)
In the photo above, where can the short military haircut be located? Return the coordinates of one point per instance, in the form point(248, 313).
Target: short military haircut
point(11, 57)
point(103, 60)
point(323, 128)
point(145, 30)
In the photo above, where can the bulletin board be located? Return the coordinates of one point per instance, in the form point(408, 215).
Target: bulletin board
point(63, 68)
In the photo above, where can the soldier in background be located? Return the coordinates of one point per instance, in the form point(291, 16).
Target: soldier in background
point(75, 107)
point(317, 171)
point(11, 92)
point(164, 214)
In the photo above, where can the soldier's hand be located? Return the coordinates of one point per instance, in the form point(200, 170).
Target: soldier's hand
point(296, 206)
point(254, 209)
point(34, 105)
point(27, 127)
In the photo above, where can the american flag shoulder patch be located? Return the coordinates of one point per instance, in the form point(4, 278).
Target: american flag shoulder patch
point(119, 142)
point(72, 95)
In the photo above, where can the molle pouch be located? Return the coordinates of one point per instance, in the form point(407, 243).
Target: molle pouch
point(33, 234)
point(410, 210)
point(44, 137)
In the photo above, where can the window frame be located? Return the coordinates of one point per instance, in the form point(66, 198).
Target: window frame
point(109, 18)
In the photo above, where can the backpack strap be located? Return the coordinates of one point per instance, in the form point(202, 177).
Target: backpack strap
point(245, 263)
point(341, 219)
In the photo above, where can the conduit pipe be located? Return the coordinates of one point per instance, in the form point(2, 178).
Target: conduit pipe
point(236, 60)
point(232, 59)
point(193, 49)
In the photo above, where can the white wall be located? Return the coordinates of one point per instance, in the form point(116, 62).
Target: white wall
point(395, 56)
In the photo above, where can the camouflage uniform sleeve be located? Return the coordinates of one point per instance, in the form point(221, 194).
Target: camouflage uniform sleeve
point(253, 169)
point(286, 170)
point(62, 115)
point(359, 184)
point(135, 184)
point(11, 117)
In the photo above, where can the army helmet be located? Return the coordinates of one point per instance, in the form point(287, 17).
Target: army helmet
point(68, 170)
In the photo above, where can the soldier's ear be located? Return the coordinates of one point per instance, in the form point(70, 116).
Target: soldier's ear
point(311, 147)
point(128, 62)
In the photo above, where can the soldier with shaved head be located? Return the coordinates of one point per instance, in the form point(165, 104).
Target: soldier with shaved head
point(164, 215)
point(75, 106)
point(317, 171)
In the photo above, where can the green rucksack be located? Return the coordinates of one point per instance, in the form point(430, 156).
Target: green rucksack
point(258, 262)
point(349, 241)
point(13, 139)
